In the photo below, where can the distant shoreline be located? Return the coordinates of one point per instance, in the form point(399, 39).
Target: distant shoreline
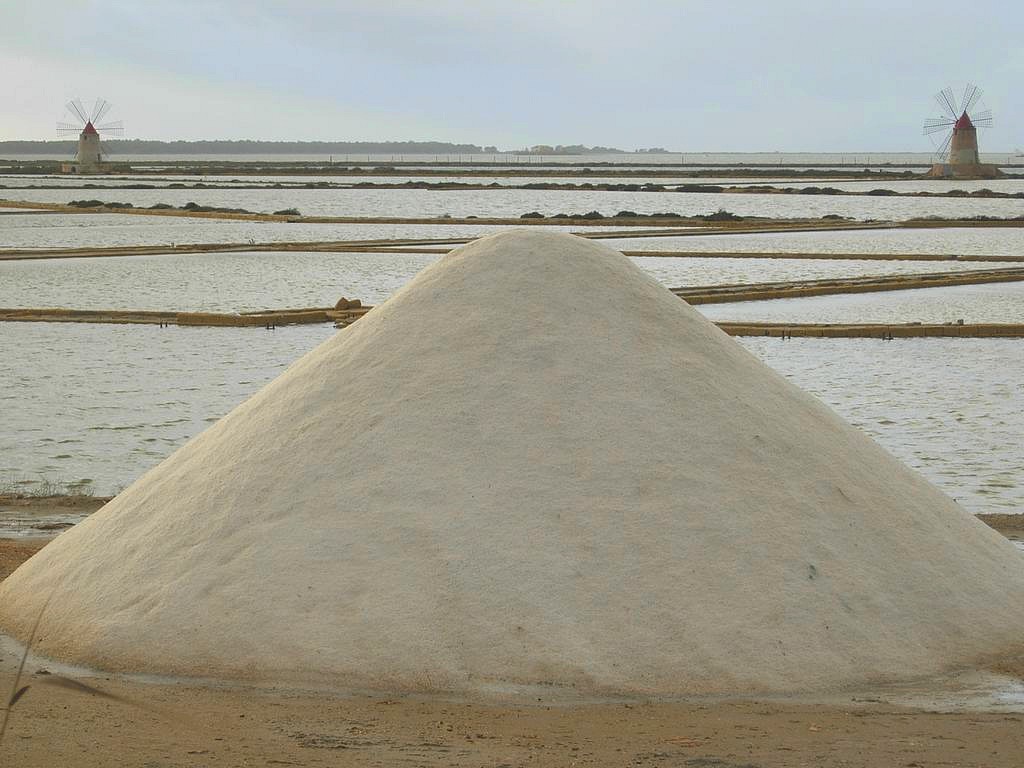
point(428, 152)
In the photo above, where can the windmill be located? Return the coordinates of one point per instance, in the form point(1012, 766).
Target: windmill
point(90, 153)
point(957, 155)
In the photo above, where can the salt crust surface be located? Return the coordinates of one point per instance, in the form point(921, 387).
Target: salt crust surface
point(531, 466)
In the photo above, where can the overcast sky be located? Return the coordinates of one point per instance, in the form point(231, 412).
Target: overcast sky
point(688, 75)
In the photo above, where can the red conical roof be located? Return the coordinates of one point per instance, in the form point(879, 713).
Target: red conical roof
point(91, 131)
point(963, 122)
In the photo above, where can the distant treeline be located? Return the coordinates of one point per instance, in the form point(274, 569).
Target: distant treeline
point(246, 147)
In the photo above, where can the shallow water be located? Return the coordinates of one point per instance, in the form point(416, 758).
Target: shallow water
point(984, 303)
point(898, 185)
point(54, 230)
point(239, 282)
point(99, 230)
point(952, 241)
point(299, 182)
point(20, 522)
point(107, 403)
point(951, 408)
point(214, 282)
point(514, 202)
point(691, 271)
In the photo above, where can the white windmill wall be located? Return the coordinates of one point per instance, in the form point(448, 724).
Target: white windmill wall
point(964, 147)
point(88, 157)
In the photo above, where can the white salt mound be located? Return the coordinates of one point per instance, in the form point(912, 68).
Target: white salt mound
point(532, 466)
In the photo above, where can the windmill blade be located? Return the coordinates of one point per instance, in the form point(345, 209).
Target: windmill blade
point(115, 127)
point(944, 147)
point(968, 88)
point(75, 108)
point(947, 101)
point(101, 108)
point(65, 127)
point(80, 109)
point(970, 99)
point(936, 124)
point(983, 119)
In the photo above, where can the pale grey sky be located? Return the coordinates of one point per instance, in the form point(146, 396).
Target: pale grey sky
point(689, 75)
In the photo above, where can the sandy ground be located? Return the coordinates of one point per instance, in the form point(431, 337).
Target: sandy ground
point(129, 723)
point(13, 552)
point(184, 726)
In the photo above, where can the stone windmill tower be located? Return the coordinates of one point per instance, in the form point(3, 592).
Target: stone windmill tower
point(958, 154)
point(89, 157)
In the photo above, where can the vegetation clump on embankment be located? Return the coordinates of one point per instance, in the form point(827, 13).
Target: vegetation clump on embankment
point(720, 215)
point(722, 219)
point(752, 189)
point(561, 186)
point(193, 207)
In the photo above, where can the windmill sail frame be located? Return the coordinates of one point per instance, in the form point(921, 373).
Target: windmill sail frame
point(957, 152)
point(91, 151)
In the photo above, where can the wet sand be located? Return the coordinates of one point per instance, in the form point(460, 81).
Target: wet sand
point(123, 722)
point(13, 552)
point(42, 517)
point(1011, 526)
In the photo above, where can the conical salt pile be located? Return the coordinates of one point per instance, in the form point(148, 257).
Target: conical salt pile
point(533, 466)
